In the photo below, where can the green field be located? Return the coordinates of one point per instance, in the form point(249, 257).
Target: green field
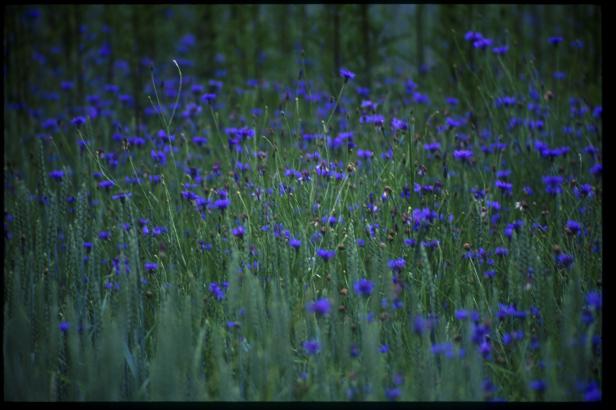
point(303, 203)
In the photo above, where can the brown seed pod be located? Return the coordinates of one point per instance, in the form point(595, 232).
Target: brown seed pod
point(467, 246)
point(344, 291)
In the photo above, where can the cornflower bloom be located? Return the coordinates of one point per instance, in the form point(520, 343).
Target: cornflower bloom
point(319, 307)
point(325, 254)
point(346, 74)
point(363, 287)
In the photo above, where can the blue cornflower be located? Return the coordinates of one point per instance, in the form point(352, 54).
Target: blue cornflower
point(151, 266)
point(563, 260)
point(197, 89)
point(221, 204)
point(596, 169)
point(553, 184)
point(462, 314)
point(319, 307)
point(485, 349)
point(443, 348)
point(64, 326)
point(503, 173)
point(158, 157)
point(312, 347)
point(325, 254)
point(393, 393)
point(420, 98)
point(57, 175)
point(397, 265)
point(376, 119)
point(368, 105)
point(463, 155)
point(483, 43)
point(363, 287)
point(572, 227)
point(473, 36)
point(502, 50)
point(330, 220)
point(159, 230)
point(398, 125)
point(121, 196)
point(346, 74)
point(594, 299)
point(556, 40)
point(238, 232)
point(488, 386)
point(432, 147)
point(410, 242)
point(217, 291)
point(208, 97)
point(431, 244)
point(505, 187)
point(78, 121)
point(537, 385)
point(199, 141)
point(518, 335)
point(592, 392)
point(295, 243)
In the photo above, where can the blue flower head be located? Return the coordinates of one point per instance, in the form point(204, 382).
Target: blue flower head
point(363, 287)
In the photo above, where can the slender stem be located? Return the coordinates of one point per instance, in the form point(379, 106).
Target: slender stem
point(335, 106)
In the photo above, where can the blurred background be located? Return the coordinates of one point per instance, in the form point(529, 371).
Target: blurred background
point(257, 41)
